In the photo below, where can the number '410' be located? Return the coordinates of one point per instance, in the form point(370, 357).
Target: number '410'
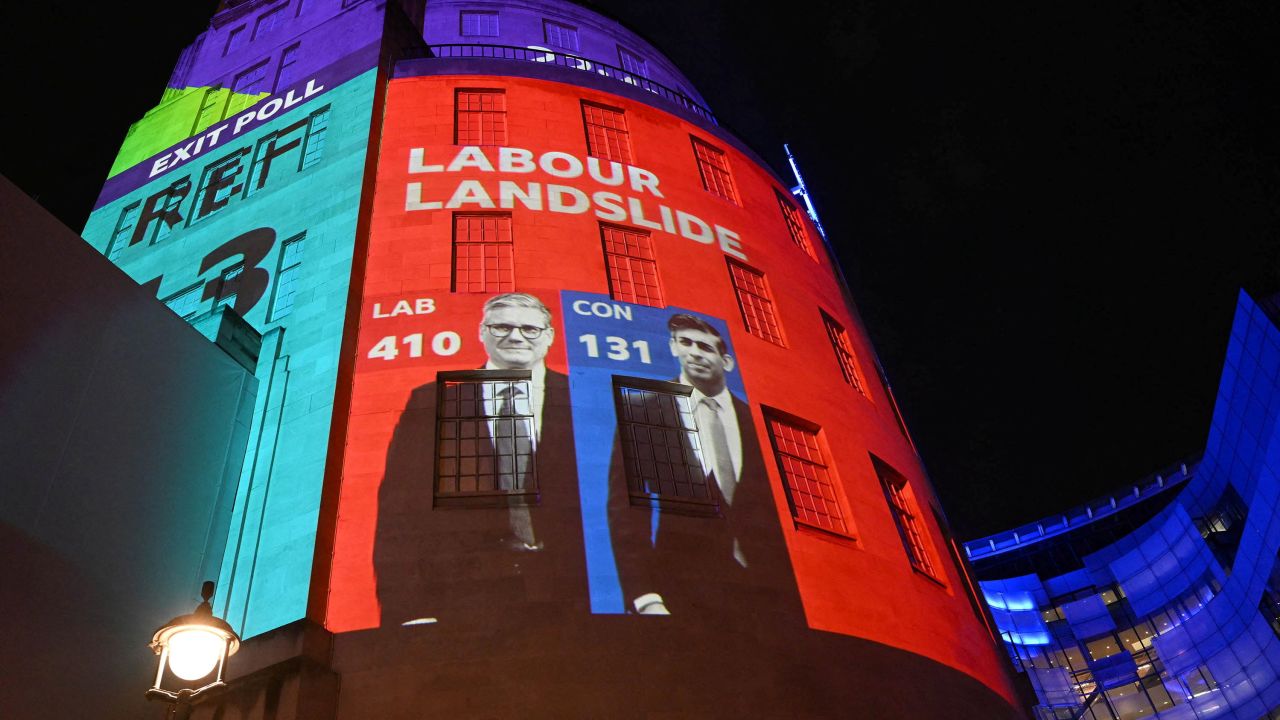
point(443, 343)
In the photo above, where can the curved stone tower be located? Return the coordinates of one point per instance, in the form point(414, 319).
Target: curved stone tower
point(564, 409)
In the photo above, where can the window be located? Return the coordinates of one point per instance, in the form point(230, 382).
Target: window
point(607, 135)
point(483, 253)
point(479, 23)
point(1199, 681)
point(186, 303)
point(795, 224)
point(235, 41)
point(1223, 526)
point(906, 517)
point(172, 199)
point(660, 447)
point(313, 143)
point(211, 108)
point(480, 117)
point(713, 166)
point(298, 10)
point(632, 62)
point(124, 230)
point(811, 491)
point(844, 353)
point(251, 80)
point(287, 277)
point(268, 21)
point(755, 302)
point(633, 271)
point(560, 36)
point(220, 178)
point(484, 436)
point(228, 284)
point(286, 74)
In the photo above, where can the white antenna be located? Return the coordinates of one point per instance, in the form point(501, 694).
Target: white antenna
point(802, 191)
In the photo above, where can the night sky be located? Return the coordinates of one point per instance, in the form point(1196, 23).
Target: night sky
point(1044, 212)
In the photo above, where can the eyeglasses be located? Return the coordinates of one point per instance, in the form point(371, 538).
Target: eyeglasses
point(530, 332)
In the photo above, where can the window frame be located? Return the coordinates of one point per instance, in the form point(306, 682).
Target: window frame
point(274, 314)
point(846, 358)
point(459, 112)
point(902, 503)
point(685, 505)
point(793, 218)
point(503, 285)
point(771, 304)
point(622, 137)
point(652, 261)
point(837, 496)
point(572, 30)
point(462, 23)
point(721, 177)
point(530, 495)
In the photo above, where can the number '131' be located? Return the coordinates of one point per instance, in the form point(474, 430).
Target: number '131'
point(617, 348)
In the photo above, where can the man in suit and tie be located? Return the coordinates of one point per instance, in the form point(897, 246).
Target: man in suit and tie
point(727, 555)
point(483, 462)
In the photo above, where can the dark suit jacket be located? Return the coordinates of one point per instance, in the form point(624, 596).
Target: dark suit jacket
point(434, 561)
point(689, 559)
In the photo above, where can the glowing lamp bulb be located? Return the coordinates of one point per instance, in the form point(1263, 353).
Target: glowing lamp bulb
point(194, 652)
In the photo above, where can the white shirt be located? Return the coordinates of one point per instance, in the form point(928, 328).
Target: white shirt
point(728, 417)
point(537, 391)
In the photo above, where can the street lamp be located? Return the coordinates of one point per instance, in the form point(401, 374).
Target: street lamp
point(194, 647)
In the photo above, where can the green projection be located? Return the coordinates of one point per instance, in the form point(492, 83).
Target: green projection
point(172, 121)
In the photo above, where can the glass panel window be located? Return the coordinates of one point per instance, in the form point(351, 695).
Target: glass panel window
point(251, 80)
point(560, 36)
point(1223, 526)
point(755, 302)
point(124, 230)
point(287, 72)
point(314, 141)
point(660, 444)
point(287, 277)
point(217, 184)
point(607, 135)
point(633, 271)
point(811, 490)
point(483, 253)
point(795, 224)
point(476, 23)
point(235, 41)
point(212, 105)
point(902, 506)
point(186, 302)
point(480, 117)
point(268, 22)
point(228, 284)
point(713, 166)
point(844, 353)
point(173, 198)
point(633, 63)
point(485, 435)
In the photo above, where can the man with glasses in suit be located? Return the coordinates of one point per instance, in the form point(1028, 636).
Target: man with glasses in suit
point(483, 462)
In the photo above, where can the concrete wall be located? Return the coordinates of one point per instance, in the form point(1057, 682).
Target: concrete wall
point(124, 430)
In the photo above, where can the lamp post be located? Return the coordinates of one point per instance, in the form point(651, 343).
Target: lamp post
point(194, 647)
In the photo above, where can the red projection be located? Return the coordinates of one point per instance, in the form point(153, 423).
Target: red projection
point(570, 189)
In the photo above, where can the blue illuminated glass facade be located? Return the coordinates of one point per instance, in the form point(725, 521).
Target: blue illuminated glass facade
point(1162, 600)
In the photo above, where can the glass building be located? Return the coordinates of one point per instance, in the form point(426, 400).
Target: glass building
point(1163, 599)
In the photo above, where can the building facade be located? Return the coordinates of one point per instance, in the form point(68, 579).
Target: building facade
point(1160, 601)
point(563, 407)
